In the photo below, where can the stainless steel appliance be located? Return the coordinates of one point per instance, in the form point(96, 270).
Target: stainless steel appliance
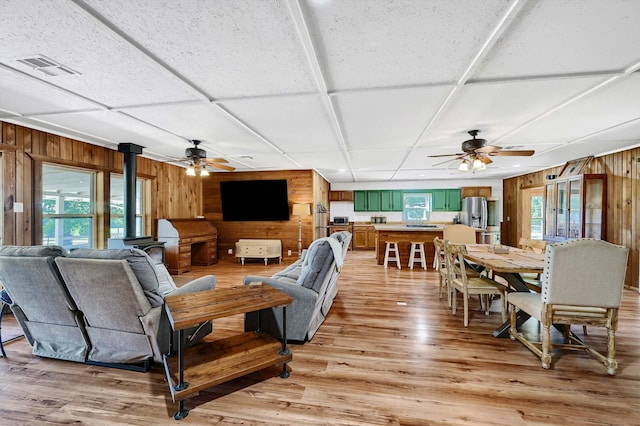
point(340, 220)
point(474, 212)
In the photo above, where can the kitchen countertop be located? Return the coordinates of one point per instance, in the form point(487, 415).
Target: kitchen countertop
point(400, 227)
point(436, 227)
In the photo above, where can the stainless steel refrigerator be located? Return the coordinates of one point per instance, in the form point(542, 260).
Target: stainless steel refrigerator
point(474, 212)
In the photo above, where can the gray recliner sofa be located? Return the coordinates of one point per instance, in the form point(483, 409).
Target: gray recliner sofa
point(95, 306)
point(312, 282)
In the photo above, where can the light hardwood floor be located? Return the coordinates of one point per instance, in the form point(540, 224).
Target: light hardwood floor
point(390, 352)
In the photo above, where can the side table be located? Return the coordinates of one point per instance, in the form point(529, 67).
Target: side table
point(210, 363)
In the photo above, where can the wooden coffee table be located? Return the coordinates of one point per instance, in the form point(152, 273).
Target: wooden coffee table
point(210, 363)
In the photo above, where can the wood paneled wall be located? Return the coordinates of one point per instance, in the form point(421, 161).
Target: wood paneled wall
point(304, 186)
point(623, 203)
point(170, 192)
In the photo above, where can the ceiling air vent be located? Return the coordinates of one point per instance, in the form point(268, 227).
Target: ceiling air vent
point(47, 66)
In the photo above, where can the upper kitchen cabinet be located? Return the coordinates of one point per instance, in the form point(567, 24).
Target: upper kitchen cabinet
point(340, 195)
point(366, 201)
point(445, 200)
point(475, 191)
point(391, 201)
point(575, 207)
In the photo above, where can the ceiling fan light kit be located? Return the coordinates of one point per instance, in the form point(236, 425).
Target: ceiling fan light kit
point(477, 153)
point(198, 161)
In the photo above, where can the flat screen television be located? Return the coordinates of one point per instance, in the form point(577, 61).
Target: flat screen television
point(254, 200)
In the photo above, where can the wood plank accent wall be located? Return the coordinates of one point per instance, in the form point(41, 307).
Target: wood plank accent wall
point(171, 194)
point(623, 203)
point(304, 186)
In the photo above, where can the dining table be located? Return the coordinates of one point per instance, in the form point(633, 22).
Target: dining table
point(508, 263)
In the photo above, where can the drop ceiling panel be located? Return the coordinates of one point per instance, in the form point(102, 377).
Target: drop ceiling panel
point(336, 176)
point(117, 128)
point(629, 132)
point(25, 95)
point(387, 118)
point(572, 151)
point(332, 160)
point(205, 122)
point(496, 109)
point(610, 106)
point(373, 176)
point(226, 48)
point(398, 42)
point(114, 73)
point(388, 159)
point(291, 123)
point(267, 162)
point(566, 37)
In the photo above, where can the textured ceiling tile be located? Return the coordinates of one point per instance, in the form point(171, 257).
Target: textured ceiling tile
point(496, 109)
point(204, 122)
point(388, 118)
point(26, 96)
point(333, 161)
point(111, 71)
point(226, 48)
point(565, 37)
point(372, 159)
point(117, 128)
point(293, 124)
point(366, 43)
point(602, 109)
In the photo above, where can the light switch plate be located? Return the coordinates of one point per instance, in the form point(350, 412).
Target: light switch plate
point(18, 207)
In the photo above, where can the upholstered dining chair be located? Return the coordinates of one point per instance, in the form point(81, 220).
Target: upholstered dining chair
point(459, 233)
point(582, 284)
point(468, 282)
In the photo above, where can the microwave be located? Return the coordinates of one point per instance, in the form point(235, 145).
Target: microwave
point(341, 220)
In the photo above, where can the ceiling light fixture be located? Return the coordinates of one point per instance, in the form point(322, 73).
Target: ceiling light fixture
point(191, 170)
point(204, 171)
point(464, 166)
point(478, 165)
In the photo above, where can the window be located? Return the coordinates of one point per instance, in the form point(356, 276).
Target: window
point(537, 216)
point(415, 207)
point(116, 184)
point(68, 207)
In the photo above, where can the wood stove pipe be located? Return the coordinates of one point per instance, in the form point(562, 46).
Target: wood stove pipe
point(130, 152)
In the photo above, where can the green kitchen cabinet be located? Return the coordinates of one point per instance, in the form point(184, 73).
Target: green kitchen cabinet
point(367, 201)
point(390, 201)
point(445, 200)
point(360, 201)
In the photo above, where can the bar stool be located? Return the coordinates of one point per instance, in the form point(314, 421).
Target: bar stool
point(391, 247)
point(417, 247)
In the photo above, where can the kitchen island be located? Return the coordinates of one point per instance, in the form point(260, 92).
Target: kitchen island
point(405, 234)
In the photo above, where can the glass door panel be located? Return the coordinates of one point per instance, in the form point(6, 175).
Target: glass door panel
point(594, 189)
point(575, 211)
point(561, 211)
point(550, 210)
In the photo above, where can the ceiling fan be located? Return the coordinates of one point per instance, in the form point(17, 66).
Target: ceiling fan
point(477, 153)
point(197, 157)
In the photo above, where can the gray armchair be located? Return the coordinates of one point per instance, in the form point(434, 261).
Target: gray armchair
point(312, 282)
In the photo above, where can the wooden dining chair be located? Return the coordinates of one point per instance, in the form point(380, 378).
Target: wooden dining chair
point(468, 282)
point(459, 233)
point(439, 264)
point(532, 280)
point(582, 284)
point(536, 246)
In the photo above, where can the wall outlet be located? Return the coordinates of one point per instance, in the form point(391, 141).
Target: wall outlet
point(230, 251)
point(288, 252)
